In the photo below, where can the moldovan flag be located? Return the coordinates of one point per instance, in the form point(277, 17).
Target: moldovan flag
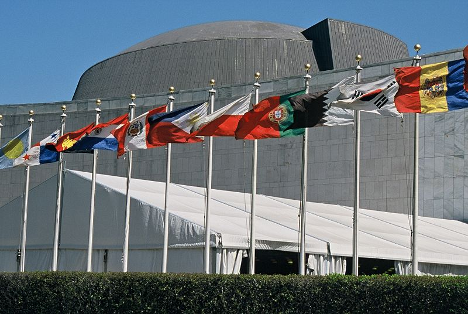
point(39, 154)
point(101, 137)
point(14, 149)
point(375, 97)
point(224, 121)
point(175, 126)
point(132, 135)
point(67, 140)
point(431, 88)
point(288, 115)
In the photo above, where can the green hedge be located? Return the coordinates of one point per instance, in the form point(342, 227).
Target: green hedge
point(65, 292)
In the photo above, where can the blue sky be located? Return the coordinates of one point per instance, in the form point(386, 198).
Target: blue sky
point(46, 45)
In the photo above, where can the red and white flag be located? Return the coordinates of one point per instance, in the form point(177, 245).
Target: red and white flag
point(224, 121)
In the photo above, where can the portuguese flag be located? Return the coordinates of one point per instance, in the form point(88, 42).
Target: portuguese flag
point(281, 116)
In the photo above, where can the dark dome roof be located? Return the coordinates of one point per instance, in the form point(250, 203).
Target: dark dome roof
point(222, 30)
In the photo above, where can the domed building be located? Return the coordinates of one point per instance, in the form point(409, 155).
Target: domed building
point(231, 52)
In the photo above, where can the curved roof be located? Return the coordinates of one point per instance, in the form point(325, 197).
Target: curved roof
point(222, 30)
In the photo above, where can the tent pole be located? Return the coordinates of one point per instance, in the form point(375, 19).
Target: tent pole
point(212, 93)
point(166, 192)
point(254, 188)
point(89, 267)
point(131, 109)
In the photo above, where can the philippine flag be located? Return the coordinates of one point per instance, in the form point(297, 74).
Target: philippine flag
point(175, 126)
point(224, 121)
point(39, 154)
point(101, 137)
point(132, 135)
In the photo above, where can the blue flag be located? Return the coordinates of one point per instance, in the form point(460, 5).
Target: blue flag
point(14, 150)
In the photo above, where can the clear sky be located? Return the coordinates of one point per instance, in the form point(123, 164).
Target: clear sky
point(46, 45)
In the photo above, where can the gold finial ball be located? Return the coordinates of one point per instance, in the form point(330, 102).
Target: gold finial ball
point(307, 66)
point(358, 58)
point(171, 89)
point(64, 107)
point(417, 47)
point(212, 82)
point(1, 117)
point(31, 112)
point(98, 102)
point(132, 96)
point(257, 75)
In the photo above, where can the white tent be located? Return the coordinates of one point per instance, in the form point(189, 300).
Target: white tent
point(443, 244)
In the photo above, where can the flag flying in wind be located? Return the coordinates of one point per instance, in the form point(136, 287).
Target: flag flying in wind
point(288, 115)
point(100, 136)
point(224, 121)
point(438, 87)
point(14, 149)
point(39, 154)
point(376, 97)
point(66, 141)
point(175, 126)
point(133, 134)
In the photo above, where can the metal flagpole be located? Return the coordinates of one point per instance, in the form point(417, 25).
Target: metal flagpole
point(303, 208)
point(58, 207)
point(26, 197)
point(1, 125)
point(254, 188)
point(415, 266)
point(166, 193)
point(93, 194)
point(212, 93)
point(131, 109)
point(357, 174)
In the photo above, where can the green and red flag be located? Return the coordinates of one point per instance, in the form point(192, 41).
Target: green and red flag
point(289, 115)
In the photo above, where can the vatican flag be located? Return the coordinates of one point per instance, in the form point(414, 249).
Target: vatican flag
point(14, 149)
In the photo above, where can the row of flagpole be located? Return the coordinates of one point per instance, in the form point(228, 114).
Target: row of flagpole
point(303, 201)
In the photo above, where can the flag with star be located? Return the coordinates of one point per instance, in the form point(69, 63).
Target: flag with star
point(69, 139)
point(39, 154)
point(175, 126)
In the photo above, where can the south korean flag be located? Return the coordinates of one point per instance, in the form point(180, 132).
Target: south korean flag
point(375, 97)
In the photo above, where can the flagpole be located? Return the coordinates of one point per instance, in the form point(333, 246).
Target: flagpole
point(131, 109)
point(357, 174)
point(303, 208)
point(212, 93)
point(26, 197)
point(58, 207)
point(166, 193)
point(254, 188)
point(1, 125)
point(93, 194)
point(415, 266)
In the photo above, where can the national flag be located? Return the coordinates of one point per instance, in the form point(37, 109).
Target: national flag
point(100, 136)
point(465, 56)
point(14, 149)
point(66, 141)
point(376, 97)
point(224, 121)
point(288, 115)
point(39, 154)
point(175, 126)
point(432, 88)
point(132, 135)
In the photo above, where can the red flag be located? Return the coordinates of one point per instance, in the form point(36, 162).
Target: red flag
point(67, 140)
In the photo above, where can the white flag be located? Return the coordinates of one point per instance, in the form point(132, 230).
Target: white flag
point(375, 97)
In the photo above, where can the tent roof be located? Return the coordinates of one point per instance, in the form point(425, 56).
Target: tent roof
point(382, 235)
